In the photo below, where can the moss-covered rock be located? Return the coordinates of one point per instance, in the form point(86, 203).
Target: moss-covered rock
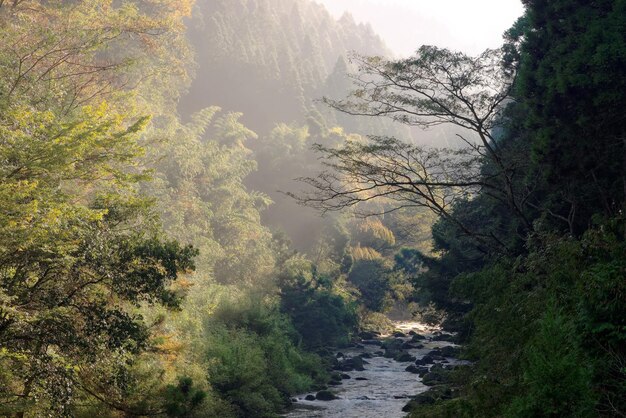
point(325, 395)
point(404, 357)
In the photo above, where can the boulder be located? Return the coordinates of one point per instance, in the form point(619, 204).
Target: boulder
point(425, 360)
point(345, 376)
point(444, 337)
point(433, 378)
point(325, 395)
point(412, 369)
point(404, 357)
point(361, 378)
point(368, 335)
point(417, 337)
point(358, 363)
point(391, 353)
point(428, 398)
point(450, 351)
point(353, 363)
point(436, 368)
point(309, 398)
point(394, 344)
point(399, 334)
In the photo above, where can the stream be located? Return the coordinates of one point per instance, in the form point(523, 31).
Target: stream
point(388, 386)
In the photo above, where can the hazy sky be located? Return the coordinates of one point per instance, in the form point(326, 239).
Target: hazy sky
point(467, 25)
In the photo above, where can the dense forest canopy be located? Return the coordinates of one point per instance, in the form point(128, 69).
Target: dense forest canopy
point(160, 257)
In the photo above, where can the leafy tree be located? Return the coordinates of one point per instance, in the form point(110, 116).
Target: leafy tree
point(557, 373)
point(183, 398)
point(61, 56)
point(78, 250)
point(82, 251)
point(203, 201)
point(371, 278)
point(571, 64)
point(320, 315)
point(253, 361)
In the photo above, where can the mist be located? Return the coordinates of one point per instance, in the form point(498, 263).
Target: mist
point(470, 27)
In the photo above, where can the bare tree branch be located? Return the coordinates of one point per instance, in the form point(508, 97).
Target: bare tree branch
point(436, 86)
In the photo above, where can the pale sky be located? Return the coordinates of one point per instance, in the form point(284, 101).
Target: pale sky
point(466, 25)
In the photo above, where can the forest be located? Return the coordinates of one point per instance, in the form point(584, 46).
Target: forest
point(205, 204)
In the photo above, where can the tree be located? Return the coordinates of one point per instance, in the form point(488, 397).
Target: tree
point(203, 201)
point(434, 87)
point(183, 399)
point(64, 55)
point(371, 277)
point(571, 82)
point(81, 250)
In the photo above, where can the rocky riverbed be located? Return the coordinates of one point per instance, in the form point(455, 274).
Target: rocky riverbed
point(380, 374)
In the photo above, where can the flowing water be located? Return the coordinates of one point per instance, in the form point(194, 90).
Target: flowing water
point(385, 392)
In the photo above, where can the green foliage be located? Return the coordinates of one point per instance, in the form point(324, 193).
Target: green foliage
point(183, 399)
point(321, 316)
point(202, 198)
point(546, 346)
point(239, 373)
point(49, 45)
point(556, 373)
point(254, 363)
point(95, 198)
point(79, 247)
point(571, 62)
point(371, 277)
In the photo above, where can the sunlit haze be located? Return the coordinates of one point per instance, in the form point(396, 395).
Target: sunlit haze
point(470, 26)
